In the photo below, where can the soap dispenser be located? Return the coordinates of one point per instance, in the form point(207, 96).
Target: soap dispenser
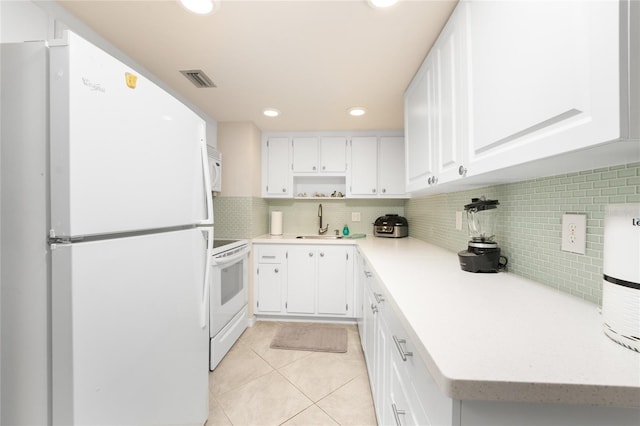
point(345, 230)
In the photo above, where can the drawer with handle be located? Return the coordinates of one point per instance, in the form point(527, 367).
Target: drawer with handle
point(425, 401)
point(270, 254)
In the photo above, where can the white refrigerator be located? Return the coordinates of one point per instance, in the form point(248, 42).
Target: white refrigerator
point(107, 230)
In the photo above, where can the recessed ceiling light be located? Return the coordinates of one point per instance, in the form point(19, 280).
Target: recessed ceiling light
point(381, 3)
point(271, 112)
point(357, 111)
point(201, 7)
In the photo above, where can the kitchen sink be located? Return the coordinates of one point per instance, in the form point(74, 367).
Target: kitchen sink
point(320, 237)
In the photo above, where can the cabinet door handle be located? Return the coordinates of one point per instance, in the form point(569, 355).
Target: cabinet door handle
point(313, 168)
point(321, 254)
point(368, 274)
point(310, 254)
point(374, 308)
point(276, 270)
point(324, 167)
point(379, 297)
point(462, 171)
point(268, 257)
point(384, 190)
point(373, 190)
point(403, 354)
point(284, 189)
point(397, 413)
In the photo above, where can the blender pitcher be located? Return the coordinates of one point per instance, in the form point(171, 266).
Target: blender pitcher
point(481, 219)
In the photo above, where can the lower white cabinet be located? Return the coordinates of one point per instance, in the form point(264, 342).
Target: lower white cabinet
point(270, 276)
point(301, 280)
point(383, 397)
point(417, 398)
point(304, 280)
point(402, 410)
point(400, 384)
point(367, 328)
point(405, 393)
point(335, 281)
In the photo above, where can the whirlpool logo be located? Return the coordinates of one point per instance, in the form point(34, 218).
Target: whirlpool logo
point(95, 87)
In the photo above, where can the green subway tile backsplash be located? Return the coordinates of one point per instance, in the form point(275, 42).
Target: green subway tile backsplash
point(300, 217)
point(528, 232)
point(239, 217)
point(530, 220)
point(248, 217)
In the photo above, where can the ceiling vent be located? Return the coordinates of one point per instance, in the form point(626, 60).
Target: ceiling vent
point(198, 78)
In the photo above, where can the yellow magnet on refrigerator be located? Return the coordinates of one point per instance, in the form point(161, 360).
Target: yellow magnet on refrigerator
point(131, 80)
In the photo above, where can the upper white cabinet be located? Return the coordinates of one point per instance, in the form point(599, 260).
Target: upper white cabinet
point(435, 110)
point(275, 168)
point(324, 165)
point(451, 99)
point(544, 79)
point(513, 90)
point(364, 176)
point(377, 167)
point(419, 127)
point(305, 155)
point(319, 155)
point(333, 155)
point(391, 166)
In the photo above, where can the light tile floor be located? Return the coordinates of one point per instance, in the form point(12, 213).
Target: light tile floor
point(257, 385)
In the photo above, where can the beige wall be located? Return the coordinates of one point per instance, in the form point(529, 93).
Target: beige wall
point(239, 143)
point(22, 21)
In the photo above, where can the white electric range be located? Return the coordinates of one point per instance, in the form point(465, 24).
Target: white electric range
point(229, 296)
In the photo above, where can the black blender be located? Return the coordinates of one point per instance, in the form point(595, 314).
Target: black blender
point(482, 253)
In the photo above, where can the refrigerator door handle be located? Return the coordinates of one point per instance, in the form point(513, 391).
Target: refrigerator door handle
point(207, 183)
point(204, 303)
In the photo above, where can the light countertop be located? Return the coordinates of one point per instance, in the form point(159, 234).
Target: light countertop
point(497, 337)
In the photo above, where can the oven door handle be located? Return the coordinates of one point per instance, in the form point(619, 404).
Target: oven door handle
point(227, 260)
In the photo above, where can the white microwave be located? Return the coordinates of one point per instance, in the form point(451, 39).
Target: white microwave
point(215, 169)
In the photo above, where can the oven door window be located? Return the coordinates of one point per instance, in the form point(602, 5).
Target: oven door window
point(232, 282)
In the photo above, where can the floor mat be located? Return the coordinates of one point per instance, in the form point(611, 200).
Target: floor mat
point(310, 338)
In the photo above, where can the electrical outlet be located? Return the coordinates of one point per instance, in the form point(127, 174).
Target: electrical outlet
point(459, 221)
point(355, 217)
point(574, 233)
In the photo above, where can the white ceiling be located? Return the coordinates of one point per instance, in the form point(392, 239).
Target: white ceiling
point(312, 60)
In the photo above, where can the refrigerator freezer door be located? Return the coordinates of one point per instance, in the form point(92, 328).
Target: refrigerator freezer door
point(129, 345)
point(125, 155)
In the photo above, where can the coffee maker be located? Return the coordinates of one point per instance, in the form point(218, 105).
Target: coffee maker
point(482, 253)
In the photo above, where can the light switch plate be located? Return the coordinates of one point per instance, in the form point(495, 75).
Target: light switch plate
point(355, 217)
point(574, 233)
point(459, 221)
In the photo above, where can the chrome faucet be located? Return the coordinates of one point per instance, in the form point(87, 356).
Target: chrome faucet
point(321, 230)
